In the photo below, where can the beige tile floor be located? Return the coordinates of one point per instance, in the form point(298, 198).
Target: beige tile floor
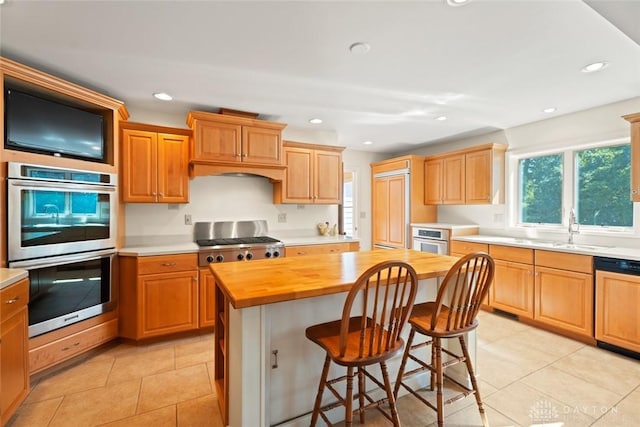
point(528, 377)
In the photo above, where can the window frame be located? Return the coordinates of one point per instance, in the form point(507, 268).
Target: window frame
point(569, 191)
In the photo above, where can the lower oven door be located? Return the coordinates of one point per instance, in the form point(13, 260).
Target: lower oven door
point(440, 247)
point(68, 289)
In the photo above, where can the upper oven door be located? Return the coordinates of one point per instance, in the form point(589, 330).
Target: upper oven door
point(440, 247)
point(54, 218)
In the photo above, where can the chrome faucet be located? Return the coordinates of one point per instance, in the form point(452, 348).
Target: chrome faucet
point(574, 226)
point(54, 211)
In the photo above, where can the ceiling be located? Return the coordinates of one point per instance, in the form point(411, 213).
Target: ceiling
point(486, 65)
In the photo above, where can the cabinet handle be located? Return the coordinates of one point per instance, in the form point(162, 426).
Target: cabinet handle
point(238, 155)
point(301, 253)
point(70, 347)
point(12, 300)
point(634, 192)
point(161, 194)
point(168, 264)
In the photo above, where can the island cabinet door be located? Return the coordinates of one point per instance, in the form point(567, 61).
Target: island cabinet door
point(169, 303)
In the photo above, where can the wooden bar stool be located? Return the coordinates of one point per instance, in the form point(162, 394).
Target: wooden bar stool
point(375, 311)
point(451, 315)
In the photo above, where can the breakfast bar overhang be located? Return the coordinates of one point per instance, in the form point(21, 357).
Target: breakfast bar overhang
point(266, 372)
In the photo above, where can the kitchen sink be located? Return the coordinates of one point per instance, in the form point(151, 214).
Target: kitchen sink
point(577, 246)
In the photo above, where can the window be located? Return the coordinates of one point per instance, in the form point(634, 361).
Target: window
point(595, 181)
point(603, 186)
point(541, 189)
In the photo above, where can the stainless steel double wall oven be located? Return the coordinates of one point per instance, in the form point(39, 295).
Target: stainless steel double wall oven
point(61, 227)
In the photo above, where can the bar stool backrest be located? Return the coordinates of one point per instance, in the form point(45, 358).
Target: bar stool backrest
point(462, 292)
point(385, 294)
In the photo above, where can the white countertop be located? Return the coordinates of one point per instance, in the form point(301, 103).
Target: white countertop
point(558, 246)
point(157, 246)
point(9, 276)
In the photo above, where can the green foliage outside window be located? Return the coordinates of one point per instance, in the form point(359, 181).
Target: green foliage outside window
point(541, 190)
point(603, 176)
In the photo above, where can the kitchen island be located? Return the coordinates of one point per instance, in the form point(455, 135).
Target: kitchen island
point(266, 372)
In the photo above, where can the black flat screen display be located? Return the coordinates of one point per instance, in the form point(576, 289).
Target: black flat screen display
point(40, 125)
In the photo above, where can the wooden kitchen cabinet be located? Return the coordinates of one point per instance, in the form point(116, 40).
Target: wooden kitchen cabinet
point(470, 176)
point(326, 248)
point(313, 175)
point(513, 282)
point(158, 295)
point(617, 302)
point(155, 164)
point(634, 121)
point(397, 200)
point(564, 291)
point(230, 143)
point(14, 348)
point(207, 298)
point(444, 180)
point(460, 249)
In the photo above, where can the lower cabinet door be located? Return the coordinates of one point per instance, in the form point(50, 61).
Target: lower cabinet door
point(14, 372)
point(512, 288)
point(617, 316)
point(564, 299)
point(169, 303)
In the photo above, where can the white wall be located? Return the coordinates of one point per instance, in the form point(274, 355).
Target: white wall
point(603, 123)
point(221, 198)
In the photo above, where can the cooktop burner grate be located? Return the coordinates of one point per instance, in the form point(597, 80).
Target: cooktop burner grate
point(237, 241)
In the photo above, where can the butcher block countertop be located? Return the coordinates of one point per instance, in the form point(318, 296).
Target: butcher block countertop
point(259, 282)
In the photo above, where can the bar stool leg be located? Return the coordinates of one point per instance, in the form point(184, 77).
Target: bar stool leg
point(323, 381)
point(392, 400)
point(403, 364)
point(361, 391)
point(474, 382)
point(348, 420)
point(437, 346)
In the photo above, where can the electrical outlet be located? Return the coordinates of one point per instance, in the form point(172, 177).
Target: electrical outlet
point(187, 219)
point(282, 217)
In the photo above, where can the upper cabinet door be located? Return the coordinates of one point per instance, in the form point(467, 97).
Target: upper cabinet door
point(138, 170)
point(261, 145)
point(173, 168)
point(453, 180)
point(218, 141)
point(299, 178)
point(479, 177)
point(433, 182)
point(328, 177)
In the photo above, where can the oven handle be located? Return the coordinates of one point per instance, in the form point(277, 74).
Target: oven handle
point(61, 186)
point(53, 261)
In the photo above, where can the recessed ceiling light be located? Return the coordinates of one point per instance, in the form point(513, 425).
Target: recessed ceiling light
point(315, 121)
point(593, 67)
point(441, 118)
point(1, 1)
point(359, 48)
point(549, 110)
point(368, 142)
point(163, 96)
point(457, 2)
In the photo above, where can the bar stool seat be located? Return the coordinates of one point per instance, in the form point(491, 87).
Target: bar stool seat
point(375, 312)
point(451, 315)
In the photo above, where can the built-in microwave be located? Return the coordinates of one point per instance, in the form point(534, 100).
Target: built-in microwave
point(53, 211)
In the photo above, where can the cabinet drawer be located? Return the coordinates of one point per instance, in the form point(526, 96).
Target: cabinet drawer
point(510, 253)
point(14, 298)
point(458, 247)
point(167, 263)
point(565, 261)
point(67, 347)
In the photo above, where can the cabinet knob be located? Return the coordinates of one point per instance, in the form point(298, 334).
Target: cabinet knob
point(634, 192)
point(12, 300)
point(168, 264)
